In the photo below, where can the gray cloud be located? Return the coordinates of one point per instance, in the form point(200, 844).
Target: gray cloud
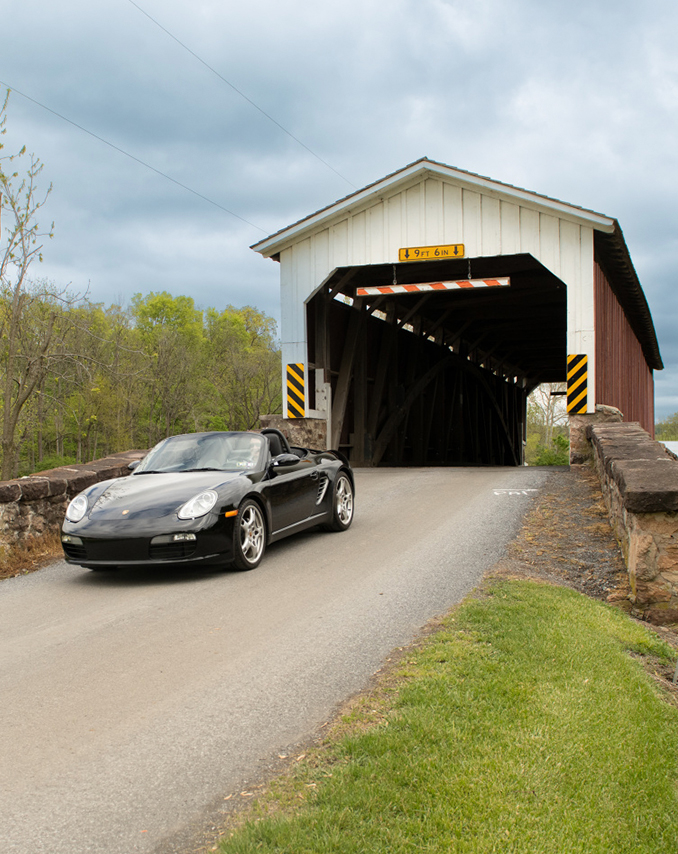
point(578, 101)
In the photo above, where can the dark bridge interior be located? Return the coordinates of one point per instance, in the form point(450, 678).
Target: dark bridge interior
point(436, 378)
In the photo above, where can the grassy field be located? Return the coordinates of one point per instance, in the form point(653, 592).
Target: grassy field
point(530, 722)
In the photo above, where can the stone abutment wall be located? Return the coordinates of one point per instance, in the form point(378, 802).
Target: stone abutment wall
point(639, 480)
point(302, 432)
point(31, 506)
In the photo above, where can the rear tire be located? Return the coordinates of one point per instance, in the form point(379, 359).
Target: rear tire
point(249, 536)
point(342, 504)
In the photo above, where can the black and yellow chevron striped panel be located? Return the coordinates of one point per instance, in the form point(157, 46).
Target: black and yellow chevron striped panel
point(577, 384)
point(296, 395)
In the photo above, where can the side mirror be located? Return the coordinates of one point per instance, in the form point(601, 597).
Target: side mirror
point(133, 464)
point(285, 461)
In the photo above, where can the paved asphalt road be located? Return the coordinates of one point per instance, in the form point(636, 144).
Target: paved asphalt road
point(131, 704)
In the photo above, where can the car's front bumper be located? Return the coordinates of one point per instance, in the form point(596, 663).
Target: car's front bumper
point(211, 545)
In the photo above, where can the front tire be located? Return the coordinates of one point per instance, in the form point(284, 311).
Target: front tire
point(249, 536)
point(342, 504)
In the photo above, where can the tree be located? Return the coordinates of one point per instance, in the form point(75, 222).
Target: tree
point(170, 329)
point(242, 367)
point(547, 442)
point(667, 430)
point(29, 312)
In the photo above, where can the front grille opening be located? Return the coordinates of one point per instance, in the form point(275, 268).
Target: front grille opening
point(74, 551)
point(172, 551)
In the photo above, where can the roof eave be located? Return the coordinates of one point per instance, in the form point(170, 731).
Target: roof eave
point(612, 253)
point(278, 241)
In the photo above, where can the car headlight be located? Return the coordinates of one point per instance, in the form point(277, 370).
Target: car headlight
point(77, 509)
point(199, 505)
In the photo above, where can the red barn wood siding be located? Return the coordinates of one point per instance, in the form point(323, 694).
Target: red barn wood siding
point(623, 378)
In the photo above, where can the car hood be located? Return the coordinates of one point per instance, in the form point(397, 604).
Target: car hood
point(156, 495)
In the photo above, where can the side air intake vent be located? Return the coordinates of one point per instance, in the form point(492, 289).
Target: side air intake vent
point(322, 488)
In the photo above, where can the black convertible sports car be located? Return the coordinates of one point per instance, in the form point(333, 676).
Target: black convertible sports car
point(208, 499)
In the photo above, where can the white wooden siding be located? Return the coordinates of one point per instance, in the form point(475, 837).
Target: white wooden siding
point(431, 211)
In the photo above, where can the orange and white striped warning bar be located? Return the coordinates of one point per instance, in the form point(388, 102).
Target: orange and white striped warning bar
point(433, 286)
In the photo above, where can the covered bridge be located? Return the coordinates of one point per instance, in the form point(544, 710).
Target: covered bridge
point(419, 312)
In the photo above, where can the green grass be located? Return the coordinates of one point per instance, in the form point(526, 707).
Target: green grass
point(525, 725)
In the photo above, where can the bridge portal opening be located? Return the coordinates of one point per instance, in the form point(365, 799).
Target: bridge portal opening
point(434, 376)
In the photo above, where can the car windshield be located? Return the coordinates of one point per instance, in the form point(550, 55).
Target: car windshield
point(206, 452)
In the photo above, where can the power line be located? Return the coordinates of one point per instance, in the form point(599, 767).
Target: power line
point(242, 94)
point(132, 157)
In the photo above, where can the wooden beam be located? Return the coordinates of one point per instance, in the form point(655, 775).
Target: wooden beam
point(383, 366)
point(456, 336)
point(401, 411)
point(374, 306)
point(345, 372)
point(322, 338)
point(415, 309)
point(478, 375)
point(344, 280)
point(439, 322)
point(359, 401)
point(429, 418)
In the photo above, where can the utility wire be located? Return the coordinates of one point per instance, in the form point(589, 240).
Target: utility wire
point(242, 94)
point(132, 157)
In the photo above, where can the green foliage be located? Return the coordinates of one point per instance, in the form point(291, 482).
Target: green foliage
point(159, 313)
point(547, 441)
point(124, 378)
point(53, 462)
point(557, 454)
point(245, 377)
point(667, 430)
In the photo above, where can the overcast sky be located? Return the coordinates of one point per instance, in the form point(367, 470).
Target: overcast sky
point(575, 100)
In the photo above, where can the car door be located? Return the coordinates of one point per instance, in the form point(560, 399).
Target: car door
point(292, 493)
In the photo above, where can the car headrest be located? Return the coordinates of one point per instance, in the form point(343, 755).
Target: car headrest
point(275, 445)
point(277, 441)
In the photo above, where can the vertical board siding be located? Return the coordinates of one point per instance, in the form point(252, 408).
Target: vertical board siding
point(413, 216)
point(433, 224)
point(376, 242)
point(359, 238)
point(471, 222)
point(549, 241)
point(339, 244)
point(437, 212)
point(321, 256)
point(529, 231)
point(452, 224)
point(394, 226)
point(491, 225)
point(623, 378)
point(510, 228)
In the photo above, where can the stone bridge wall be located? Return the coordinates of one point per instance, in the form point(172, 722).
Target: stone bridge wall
point(639, 480)
point(302, 432)
point(31, 506)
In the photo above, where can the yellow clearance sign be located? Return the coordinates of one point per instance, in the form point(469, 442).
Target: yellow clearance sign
point(431, 253)
point(577, 382)
point(296, 395)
